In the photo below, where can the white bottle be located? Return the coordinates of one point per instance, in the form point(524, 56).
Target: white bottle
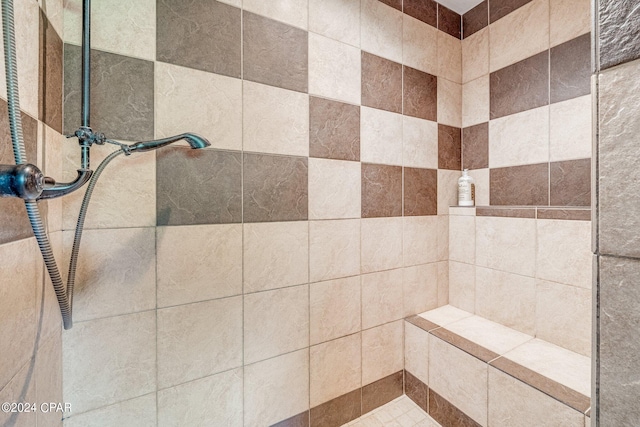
point(466, 190)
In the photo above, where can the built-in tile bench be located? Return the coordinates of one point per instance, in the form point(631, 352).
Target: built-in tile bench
point(465, 370)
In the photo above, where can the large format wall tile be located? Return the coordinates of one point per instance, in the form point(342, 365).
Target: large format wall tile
point(568, 19)
point(381, 298)
point(519, 139)
point(50, 75)
point(143, 409)
point(275, 188)
point(381, 30)
point(420, 44)
point(216, 116)
point(381, 190)
point(334, 249)
point(449, 101)
point(462, 285)
point(475, 147)
point(420, 239)
point(336, 19)
point(462, 238)
point(274, 53)
point(420, 94)
point(521, 86)
point(185, 196)
point(382, 351)
point(380, 136)
point(23, 385)
point(381, 83)
point(520, 185)
point(334, 69)
point(292, 12)
point(571, 69)
point(570, 126)
point(334, 189)
point(475, 101)
point(475, 56)
point(475, 19)
point(335, 369)
point(335, 309)
point(449, 21)
point(424, 10)
point(570, 183)
point(416, 352)
point(506, 244)
point(618, 24)
point(449, 147)
point(274, 120)
point(420, 143)
point(420, 192)
point(420, 288)
point(334, 130)
point(381, 244)
point(449, 58)
point(122, 101)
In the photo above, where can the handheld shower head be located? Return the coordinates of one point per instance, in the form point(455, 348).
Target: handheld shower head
point(195, 141)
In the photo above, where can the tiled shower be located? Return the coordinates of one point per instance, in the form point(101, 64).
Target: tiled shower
point(266, 279)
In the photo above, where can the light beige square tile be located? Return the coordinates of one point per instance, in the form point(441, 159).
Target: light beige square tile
point(564, 252)
point(420, 288)
point(275, 322)
point(462, 238)
point(112, 205)
point(462, 285)
point(380, 136)
point(183, 278)
point(570, 129)
point(568, 20)
point(196, 340)
point(512, 403)
point(490, 335)
point(460, 378)
point(21, 388)
point(216, 116)
point(462, 211)
point(420, 45)
point(416, 352)
point(334, 69)
point(335, 369)
point(519, 139)
point(334, 249)
point(275, 120)
point(382, 350)
point(381, 30)
point(475, 55)
point(449, 57)
point(142, 409)
point(443, 283)
point(420, 239)
point(482, 179)
point(292, 12)
point(420, 143)
point(507, 244)
point(445, 315)
point(48, 379)
point(447, 190)
point(335, 309)
point(109, 360)
point(381, 298)
point(506, 298)
point(190, 403)
point(475, 101)
point(381, 244)
point(276, 255)
point(336, 19)
point(443, 235)
point(276, 389)
point(334, 189)
point(113, 263)
point(563, 316)
point(54, 143)
point(124, 28)
point(449, 103)
point(519, 35)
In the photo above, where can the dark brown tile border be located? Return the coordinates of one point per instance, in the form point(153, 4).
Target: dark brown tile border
point(570, 183)
point(507, 212)
point(300, 420)
point(447, 414)
point(338, 411)
point(422, 323)
point(382, 391)
point(475, 19)
point(565, 214)
point(416, 390)
point(464, 344)
point(526, 185)
point(569, 397)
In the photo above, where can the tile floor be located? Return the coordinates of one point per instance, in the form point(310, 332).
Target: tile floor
point(401, 412)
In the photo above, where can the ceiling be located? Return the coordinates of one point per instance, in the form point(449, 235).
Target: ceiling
point(460, 6)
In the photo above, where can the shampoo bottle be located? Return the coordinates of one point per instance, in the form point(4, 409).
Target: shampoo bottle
point(466, 190)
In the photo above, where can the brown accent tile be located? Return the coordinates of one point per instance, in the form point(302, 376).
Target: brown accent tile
point(571, 69)
point(571, 183)
point(446, 414)
point(619, 25)
point(422, 323)
point(420, 94)
point(520, 185)
point(275, 53)
point(334, 130)
point(475, 19)
point(381, 83)
point(566, 214)
point(424, 10)
point(338, 411)
point(420, 192)
point(381, 190)
point(449, 147)
point(198, 186)
point(475, 146)
point(506, 212)
point(464, 344)
point(564, 394)
point(449, 21)
point(122, 94)
point(276, 188)
point(50, 75)
point(199, 34)
point(383, 391)
point(501, 8)
point(520, 87)
point(416, 390)
point(396, 4)
point(300, 420)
